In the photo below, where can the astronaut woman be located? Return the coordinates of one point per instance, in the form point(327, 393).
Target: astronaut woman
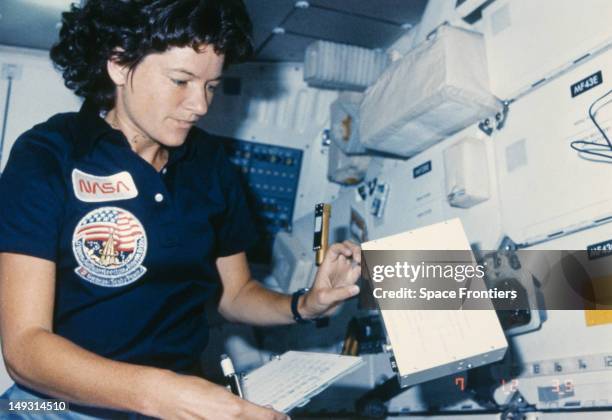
point(124, 218)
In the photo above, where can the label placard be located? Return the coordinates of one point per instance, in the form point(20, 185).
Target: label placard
point(422, 169)
point(585, 84)
point(599, 250)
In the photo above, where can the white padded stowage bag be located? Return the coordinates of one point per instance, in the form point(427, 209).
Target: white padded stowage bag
point(438, 88)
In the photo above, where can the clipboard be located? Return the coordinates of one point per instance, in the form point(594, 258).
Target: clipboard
point(427, 344)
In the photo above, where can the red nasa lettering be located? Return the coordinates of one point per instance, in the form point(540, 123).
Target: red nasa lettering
point(92, 187)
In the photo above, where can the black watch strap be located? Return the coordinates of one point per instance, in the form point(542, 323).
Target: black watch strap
point(294, 306)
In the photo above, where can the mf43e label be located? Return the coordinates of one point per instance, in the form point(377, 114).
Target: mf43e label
point(586, 84)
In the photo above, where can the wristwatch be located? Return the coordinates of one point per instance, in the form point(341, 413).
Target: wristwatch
point(294, 306)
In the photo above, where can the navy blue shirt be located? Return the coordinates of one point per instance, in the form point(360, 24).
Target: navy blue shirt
point(134, 248)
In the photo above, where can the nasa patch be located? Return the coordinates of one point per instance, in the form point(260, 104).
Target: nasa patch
point(110, 245)
point(97, 189)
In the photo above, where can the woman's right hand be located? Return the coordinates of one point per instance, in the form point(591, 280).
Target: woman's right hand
point(51, 364)
point(189, 397)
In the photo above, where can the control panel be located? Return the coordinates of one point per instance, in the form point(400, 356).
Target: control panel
point(270, 175)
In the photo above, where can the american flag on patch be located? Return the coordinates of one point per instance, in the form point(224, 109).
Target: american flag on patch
point(124, 228)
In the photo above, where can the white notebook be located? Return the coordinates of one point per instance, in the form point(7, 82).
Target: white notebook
point(292, 379)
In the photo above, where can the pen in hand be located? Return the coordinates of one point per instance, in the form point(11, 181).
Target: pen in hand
point(231, 379)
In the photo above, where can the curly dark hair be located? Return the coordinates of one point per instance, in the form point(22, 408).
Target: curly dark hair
point(129, 30)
